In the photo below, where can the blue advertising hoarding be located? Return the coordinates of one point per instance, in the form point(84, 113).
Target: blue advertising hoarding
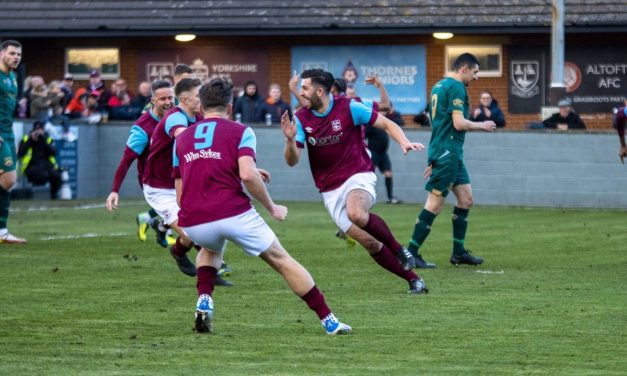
point(402, 69)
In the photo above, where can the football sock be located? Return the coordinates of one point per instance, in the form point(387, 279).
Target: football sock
point(460, 225)
point(144, 216)
point(205, 279)
point(377, 227)
point(152, 213)
point(387, 261)
point(5, 203)
point(421, 230)
point(388, 187)
point(179, 249)
point(315, 301)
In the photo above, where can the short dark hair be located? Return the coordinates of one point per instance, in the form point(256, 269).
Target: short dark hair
point(216, 93)
point(8, 43)
point(182, 68)
point(465, 59)
point(319, 77)
point(159, 84)
point(186, 84)
point(340, 85)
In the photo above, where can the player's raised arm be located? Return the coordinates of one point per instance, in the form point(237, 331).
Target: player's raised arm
point(384, 97)
point(291, 152)
point(397, 134)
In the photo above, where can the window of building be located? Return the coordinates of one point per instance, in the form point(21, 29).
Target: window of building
point(490, 58)
point(80, 61)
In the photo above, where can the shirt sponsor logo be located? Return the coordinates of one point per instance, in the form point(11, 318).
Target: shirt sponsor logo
point(326, 140)
point(203, 154)
point(336, 125)
point(524, 78)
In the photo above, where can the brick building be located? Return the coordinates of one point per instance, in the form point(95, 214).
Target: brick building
point(260, 40)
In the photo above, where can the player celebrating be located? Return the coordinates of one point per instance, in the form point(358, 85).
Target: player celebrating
point(342, 169)
point(158, 182)
point(10, 57)
point(137, 148)
point(446, 171)
point(213, 158)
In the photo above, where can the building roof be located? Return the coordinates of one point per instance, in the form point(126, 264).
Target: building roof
point(289, 17)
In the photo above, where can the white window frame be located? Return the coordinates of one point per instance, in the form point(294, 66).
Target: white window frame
point(476, 50)
point(93, 64)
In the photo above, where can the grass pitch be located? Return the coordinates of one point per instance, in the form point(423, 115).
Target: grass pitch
point(84, 296)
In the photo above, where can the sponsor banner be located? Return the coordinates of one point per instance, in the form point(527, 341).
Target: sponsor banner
point(241, 64)
point(402, 70)
point(595, 77)
point(526, 79)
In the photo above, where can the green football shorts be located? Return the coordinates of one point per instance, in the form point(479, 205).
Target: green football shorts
point(447, 171)
point(8, 155)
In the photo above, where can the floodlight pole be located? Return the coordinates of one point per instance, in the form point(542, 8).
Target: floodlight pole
point(557, 89)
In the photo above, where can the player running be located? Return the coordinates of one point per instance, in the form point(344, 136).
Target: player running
point(136, 148)
point(342, 169)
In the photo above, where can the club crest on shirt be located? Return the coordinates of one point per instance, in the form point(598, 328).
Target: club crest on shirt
point(336, 125)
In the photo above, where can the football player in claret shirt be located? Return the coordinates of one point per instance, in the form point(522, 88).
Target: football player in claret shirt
point(158, 182)
point(137, 145)
point(213, 158)
point(446, 171)
point(342, 170)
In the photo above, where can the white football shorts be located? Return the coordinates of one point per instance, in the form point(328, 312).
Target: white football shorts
point(248, 230)
point(164, 202)
point(335, 200)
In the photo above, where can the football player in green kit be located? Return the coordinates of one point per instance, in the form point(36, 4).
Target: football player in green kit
point(10, 57)
point(446, 172)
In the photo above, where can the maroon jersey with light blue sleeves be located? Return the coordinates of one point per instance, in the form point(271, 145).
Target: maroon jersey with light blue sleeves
point(335, 144)
point(206, 159)
point(136, 148)
point(158, 170)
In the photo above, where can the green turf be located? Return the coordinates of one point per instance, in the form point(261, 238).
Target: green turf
point(108, 304)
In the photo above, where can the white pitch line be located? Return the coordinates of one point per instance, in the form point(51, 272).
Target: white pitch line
point(489, 272)
point(80, 236)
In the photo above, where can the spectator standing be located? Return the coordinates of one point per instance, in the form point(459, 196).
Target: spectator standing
point(488, 110)
point(120, 102)
point(273, 107)
point(38, 159)
point(10, 57)
point(143, 96)
point(96, 84)
point(248, 104)
point(30, 83)
point(565, 119)
point(40, 103)
point(67, 86)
